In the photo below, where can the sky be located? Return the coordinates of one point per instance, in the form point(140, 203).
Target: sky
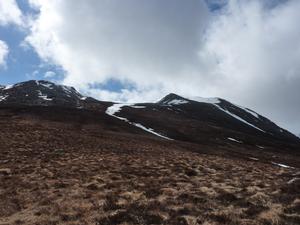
point(245, 51)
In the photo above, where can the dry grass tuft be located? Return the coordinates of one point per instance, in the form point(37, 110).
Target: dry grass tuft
point(272, 215)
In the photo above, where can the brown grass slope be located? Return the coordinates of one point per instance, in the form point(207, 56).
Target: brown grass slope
point(60, 168)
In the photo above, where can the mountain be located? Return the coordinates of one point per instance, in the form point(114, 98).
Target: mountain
point(231, 116)
point(180, 160)
point(196, 120)
point(204, 120)
point(42, 92)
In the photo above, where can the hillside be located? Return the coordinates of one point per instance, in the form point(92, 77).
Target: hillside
point(77, 160)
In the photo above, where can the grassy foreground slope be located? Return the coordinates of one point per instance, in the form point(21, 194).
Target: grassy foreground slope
point(58, 172)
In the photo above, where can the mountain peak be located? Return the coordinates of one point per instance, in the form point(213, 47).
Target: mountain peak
point(40, 92)
point(172, 99)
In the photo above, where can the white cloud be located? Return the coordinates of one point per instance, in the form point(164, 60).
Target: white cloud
point(258, 50)
point(10, 13)
point(49, 74)
point(249, 52)
point(4, 50)
point(33, 75)
point(146, 42)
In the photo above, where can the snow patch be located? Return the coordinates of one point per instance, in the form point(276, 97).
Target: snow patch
point(67, 89)
point(232, 139)
point(115, 108)
point(205, 100)
point(44, 97)
point(176, 102)
point(138, 106)
point(261, 147)
point(251, 112)
point(112, 110)
point(47, 85)
point(2, 98)
point(252, 158)
point(247, 110)
point(8, 87)
point(281, 165)
point(238, 118)
point(150, 130)
point(216, 101)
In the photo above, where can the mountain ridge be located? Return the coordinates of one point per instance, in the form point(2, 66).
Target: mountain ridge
point(211, 117)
